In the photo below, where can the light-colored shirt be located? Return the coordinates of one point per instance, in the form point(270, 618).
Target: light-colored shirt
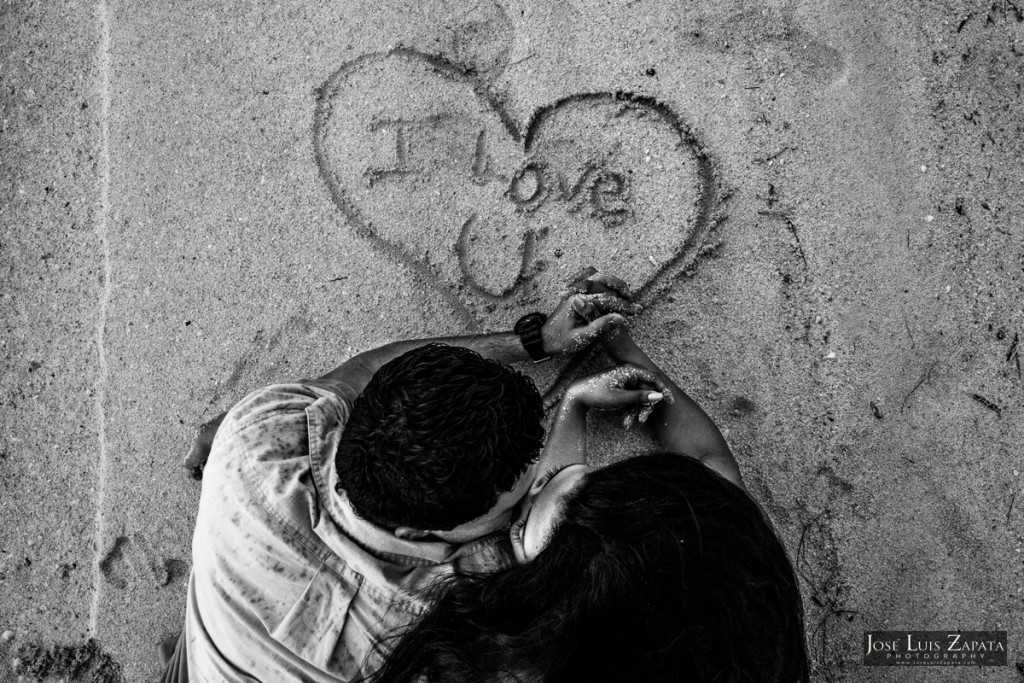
point(287, 582)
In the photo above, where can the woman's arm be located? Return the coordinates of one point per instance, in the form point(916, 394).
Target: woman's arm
point(567, 439)
point(679, 425)
point(619, 387)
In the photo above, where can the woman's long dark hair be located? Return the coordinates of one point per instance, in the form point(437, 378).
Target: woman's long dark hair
point(659, 570)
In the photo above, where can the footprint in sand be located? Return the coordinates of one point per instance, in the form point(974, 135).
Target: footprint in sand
point(728, 28)
point(135, 557)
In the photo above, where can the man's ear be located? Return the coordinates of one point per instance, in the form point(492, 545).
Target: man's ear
point(410, 534)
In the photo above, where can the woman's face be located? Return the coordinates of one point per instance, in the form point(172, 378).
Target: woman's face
point(542, 508)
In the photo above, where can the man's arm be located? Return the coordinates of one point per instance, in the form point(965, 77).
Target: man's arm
point(356, 372)
point(564, 332)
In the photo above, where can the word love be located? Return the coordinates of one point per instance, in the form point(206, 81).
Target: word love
point(423, 146)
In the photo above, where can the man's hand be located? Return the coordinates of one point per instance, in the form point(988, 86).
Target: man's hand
point(625, 386)
point(598, 294)
point(589, 311)
point(197, 456)
point(567, 331)
point(590, 280)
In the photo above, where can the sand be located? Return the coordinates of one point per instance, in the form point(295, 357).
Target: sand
point(816, 203)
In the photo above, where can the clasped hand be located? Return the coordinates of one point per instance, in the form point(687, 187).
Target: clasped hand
point(591, 309)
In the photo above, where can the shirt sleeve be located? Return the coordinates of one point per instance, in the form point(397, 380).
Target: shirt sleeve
point(274, 418)
point(262, 600)
point(262, 452)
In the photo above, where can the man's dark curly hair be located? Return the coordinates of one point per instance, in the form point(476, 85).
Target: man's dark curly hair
point(436, 437)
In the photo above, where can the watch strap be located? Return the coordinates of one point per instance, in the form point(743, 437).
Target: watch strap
point(529, 330)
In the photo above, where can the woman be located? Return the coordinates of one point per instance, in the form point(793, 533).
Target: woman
point(656, 568)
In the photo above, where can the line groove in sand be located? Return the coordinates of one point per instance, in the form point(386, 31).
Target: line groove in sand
point(102, 221)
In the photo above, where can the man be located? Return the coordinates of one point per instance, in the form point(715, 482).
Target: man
point(329, 505)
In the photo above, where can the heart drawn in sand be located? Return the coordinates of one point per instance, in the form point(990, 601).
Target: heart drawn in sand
point(427, 164)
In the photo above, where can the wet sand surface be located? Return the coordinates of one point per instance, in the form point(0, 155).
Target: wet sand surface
point(818, 205)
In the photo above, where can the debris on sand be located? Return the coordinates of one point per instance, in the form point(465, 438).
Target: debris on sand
point(988, 404)
point(86, 662)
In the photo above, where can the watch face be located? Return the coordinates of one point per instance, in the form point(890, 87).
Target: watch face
point(529, 320)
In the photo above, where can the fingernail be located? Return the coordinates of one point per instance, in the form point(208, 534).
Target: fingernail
point(655, 396)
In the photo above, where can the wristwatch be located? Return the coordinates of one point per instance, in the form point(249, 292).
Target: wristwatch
point(528, 328)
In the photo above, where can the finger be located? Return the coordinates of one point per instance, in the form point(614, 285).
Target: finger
point(582, 274)
point(578, 287)
point(611, 303)
point(586, 335)
point(580, 283)
point(606, 324)
point(637, 397)
point(613, 283)
point(632, 375)
point(584, 309)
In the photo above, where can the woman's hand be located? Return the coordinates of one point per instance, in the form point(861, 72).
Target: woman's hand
point(625, 386)
point(680, 425)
